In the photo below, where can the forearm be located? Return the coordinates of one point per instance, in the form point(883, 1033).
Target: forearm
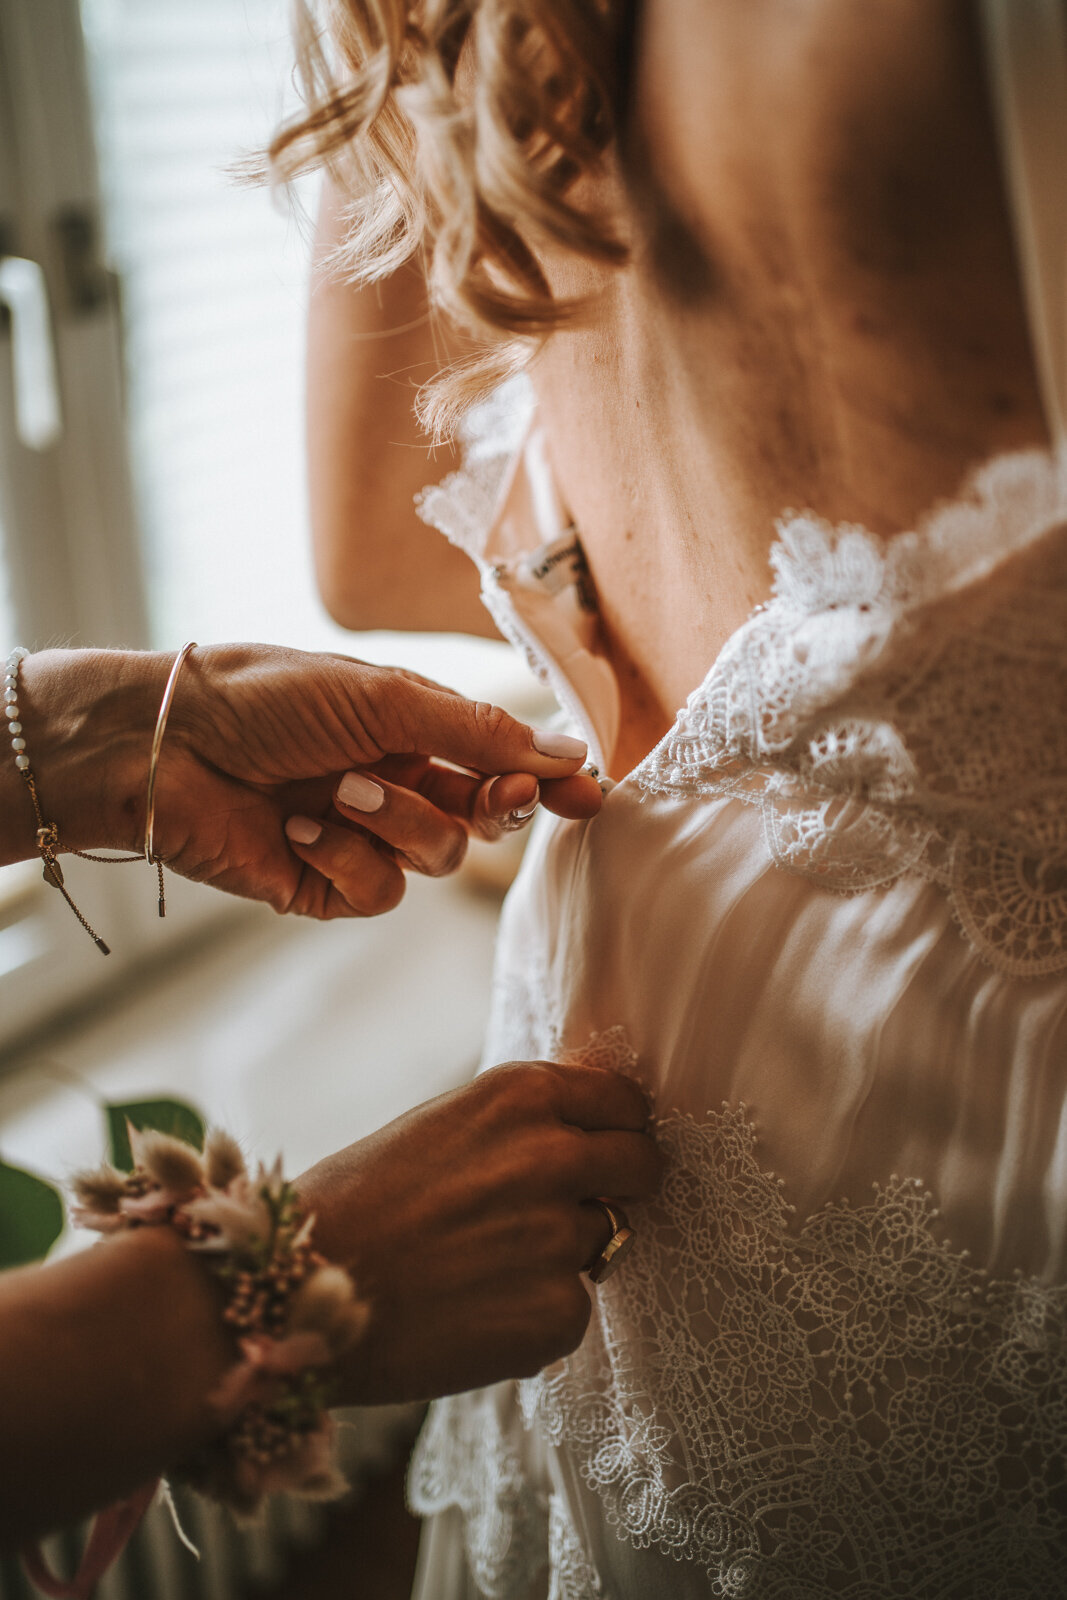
point(87, 718)
point(106, 1362)
point(369, 350)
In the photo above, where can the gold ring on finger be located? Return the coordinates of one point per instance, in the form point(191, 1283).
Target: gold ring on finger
point(618, 1246)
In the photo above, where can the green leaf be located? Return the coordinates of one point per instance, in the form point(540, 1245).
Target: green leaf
point(166, 1116)
point(31, 1217)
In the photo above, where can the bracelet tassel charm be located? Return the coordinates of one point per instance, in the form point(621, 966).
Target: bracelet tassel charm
point(52, 872)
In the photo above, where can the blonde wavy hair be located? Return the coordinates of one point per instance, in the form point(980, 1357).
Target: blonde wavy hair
point(458, 131)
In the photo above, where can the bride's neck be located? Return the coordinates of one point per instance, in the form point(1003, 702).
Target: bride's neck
point(822, 311)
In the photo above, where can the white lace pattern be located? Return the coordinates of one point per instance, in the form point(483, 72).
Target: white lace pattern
point(463, 504)
point(841, 1406)
point(901, 706)
point(572, 1575)
point(465, 1459)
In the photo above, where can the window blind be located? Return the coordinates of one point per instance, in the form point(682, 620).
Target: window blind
point(214, 291)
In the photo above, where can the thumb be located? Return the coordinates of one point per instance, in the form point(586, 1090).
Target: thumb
point(473, 733)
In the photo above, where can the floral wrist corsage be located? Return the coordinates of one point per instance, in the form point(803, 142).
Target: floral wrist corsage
point(292, 1313)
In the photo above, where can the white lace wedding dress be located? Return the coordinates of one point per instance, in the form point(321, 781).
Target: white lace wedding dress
point(825, 921)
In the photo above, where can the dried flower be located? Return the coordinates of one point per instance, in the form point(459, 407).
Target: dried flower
point(154, 1207)
point(306, 1469)
point(98, 1221)
point(271, 1179)
point(173, 1164)
point(291, 1313)
point(241, 1216)
point(223, 1160)
point(283, 1357)
point(327, 1303)
point(99, 1190)
point(237, 1389)
point(313, 1466)
point(304, 1232)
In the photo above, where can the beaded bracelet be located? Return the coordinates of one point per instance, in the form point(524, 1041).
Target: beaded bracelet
point(48, 832)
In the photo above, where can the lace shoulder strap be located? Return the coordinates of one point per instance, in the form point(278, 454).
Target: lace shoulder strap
point(464, 505)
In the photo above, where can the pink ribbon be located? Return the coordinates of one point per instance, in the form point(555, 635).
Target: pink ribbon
point(254, 1379)
point(112, 1532)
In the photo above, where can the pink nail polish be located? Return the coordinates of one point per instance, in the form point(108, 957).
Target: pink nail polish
point(361, 793)
point(302, 830)
point(560, 745)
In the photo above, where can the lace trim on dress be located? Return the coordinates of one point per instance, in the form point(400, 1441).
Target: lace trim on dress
point(901, 706)
point(841, 1405)
point(571, 1573)
point(464, 505)
point(464, 1459)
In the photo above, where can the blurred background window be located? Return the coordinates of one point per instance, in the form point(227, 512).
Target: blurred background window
point(213, 278)
point(214, 275)
point(171, 502)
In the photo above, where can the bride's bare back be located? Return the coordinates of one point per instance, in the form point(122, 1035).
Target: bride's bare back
point(822, 309)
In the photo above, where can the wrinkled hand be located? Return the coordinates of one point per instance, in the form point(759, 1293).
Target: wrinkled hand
point(258, 741)
point(466, 1225)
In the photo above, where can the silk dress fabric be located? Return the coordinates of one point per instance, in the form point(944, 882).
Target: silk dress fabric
point(825, 922)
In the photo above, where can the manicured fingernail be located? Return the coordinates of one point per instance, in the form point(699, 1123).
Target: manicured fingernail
point(302, 830)
point(360, 793)
point(559, 744)
point(526, 810)
point(518, 819)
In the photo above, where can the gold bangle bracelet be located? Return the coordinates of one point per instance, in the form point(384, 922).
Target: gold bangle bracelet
point(153, 765)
